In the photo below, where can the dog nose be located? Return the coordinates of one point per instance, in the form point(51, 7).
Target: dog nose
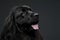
point(35, 14)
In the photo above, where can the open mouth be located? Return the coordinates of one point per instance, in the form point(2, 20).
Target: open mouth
point(35, 26)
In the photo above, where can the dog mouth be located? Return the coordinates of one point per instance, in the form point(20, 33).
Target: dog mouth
point(35, 26)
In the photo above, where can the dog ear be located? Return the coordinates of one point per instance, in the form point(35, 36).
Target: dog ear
point(7, 25)
point(13, 15)
point(9, 21)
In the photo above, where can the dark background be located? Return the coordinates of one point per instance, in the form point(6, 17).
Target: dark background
point(49, 12)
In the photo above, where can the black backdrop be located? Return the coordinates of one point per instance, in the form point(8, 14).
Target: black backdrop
point(49, 12)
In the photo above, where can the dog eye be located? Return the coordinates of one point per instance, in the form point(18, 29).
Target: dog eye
point(19, 15)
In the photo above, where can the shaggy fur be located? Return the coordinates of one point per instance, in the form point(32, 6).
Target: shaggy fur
point(18, 25)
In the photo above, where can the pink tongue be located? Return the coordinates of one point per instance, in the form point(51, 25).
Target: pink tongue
point(35, 26)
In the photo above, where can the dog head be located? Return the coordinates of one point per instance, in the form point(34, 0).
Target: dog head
point(25, 17)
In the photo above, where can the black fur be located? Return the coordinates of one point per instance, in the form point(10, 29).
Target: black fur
point(18, 25)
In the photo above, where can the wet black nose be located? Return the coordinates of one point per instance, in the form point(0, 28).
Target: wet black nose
point(35, 14)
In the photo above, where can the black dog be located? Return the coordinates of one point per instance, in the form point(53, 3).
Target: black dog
point(20, 24)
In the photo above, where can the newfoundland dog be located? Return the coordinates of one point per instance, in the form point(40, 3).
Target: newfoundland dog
point(21, 24)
